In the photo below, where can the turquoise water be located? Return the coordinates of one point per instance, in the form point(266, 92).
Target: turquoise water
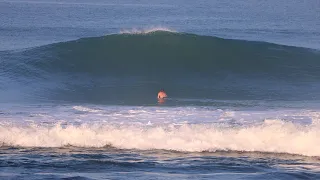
point(79, 81)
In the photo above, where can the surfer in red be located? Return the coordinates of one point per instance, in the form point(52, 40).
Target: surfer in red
point(162, 94)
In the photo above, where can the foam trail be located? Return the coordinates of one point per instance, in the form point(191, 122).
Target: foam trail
point(272, 136)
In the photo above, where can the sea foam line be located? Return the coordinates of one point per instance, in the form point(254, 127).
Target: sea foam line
point(273, 136)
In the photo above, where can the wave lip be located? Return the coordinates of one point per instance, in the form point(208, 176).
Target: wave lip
point(146, 30)
point(272, 137)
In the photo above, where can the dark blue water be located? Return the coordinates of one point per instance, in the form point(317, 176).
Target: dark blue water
point(109, 163)
point(79, 81)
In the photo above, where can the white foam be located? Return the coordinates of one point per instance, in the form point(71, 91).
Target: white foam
point(146, 30)
point(85, 109)
point(280, 137)
point(170, 128)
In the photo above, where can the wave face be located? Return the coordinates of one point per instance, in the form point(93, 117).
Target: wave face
point(163, 52)
point(188, 65)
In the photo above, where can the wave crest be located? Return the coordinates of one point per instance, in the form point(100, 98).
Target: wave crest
point(146, 30)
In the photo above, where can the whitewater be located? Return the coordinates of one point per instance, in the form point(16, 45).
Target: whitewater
point(190, 129)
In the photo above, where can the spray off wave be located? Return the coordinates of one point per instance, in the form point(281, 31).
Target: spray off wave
point(146, 30)
point(272, 136)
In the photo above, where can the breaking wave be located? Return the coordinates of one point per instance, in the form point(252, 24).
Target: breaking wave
point(272, 136)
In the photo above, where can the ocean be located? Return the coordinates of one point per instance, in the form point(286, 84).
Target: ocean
point(79, 83)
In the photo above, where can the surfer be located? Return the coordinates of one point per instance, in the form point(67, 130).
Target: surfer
point(162, 94)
